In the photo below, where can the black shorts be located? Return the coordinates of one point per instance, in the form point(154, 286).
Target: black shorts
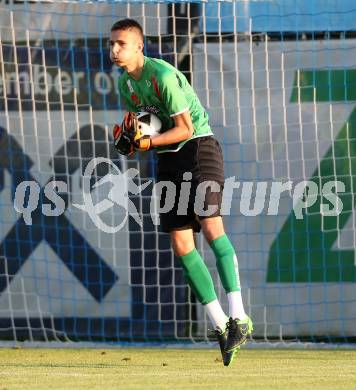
point(202, 159)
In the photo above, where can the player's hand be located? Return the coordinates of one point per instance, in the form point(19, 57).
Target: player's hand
point(144, 143)
point(129, 124)
point(122, 141)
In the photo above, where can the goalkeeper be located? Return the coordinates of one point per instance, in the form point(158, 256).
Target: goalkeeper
point(187, 151)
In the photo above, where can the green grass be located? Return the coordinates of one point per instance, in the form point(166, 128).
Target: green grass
point(175, 369)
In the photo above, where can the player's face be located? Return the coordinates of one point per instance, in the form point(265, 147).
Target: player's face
point(125, 47)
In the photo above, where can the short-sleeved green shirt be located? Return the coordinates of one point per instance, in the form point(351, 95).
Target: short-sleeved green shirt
point(164, 91)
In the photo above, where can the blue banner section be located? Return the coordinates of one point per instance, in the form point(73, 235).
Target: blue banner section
point(65, 77)
point(159, 293)
point(281, 15)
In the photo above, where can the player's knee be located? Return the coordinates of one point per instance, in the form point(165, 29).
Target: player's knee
point(212, 228)
point(182, 242)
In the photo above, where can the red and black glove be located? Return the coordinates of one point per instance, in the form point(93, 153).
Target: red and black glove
point(122, 141)
point(128, 137)
point(130, 125)
point(124, 135)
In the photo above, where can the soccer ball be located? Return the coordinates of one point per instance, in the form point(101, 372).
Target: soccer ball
point(147, 124)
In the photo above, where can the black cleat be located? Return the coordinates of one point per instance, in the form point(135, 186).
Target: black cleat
point(237, 330)
point(227, 357)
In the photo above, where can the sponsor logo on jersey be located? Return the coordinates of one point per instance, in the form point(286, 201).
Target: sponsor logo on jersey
point(150, 108)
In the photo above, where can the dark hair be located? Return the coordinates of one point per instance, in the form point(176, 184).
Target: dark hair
point(126, 24)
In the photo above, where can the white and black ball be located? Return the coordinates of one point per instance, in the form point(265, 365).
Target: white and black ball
point(148, 124)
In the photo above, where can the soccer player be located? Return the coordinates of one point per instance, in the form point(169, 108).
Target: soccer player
point(187, 151)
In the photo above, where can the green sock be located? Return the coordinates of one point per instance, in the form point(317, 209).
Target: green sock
point(198, 277)
point(226, 263)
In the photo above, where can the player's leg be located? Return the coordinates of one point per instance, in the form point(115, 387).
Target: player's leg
point(199, 279)
point(182, 224)
point(226, 262)
point(197, 275)
point(211, 168)
point(240, 325)
point(171, 167)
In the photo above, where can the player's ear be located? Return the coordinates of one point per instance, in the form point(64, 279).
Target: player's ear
point(141, 45)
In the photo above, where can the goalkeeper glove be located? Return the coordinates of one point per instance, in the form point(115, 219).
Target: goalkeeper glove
point(124, 135)
point(144, 143)
point(128, 136)
point(129, 124)
point(123, 142)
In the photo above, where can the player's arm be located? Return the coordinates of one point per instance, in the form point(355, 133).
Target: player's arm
point(182, 130)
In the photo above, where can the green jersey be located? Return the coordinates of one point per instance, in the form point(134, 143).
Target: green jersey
point(164, 91)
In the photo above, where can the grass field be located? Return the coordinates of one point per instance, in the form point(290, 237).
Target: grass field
point(175, 369)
